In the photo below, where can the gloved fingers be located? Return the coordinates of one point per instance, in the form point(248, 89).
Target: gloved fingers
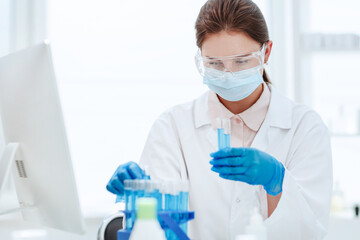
point(249, 150)
point(125, 171)
point(118, 186)
point(135, 171)
point(114, 177)
point(115, 186)
point(230, 161)
point(236, 177)
point(110, 188)
point(123, 174)
point(229, 170)
point(227, 152)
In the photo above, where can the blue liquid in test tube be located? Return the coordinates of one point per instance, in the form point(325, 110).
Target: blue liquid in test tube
point(158, 194)
point(128, 198)
point(227, 131)
point(224, 132)
point(184, 201)
point(220, 133)
point(127, 194)
point(171, 204)
point(134, 196)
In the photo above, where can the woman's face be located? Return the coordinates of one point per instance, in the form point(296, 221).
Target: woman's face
point(224, 44)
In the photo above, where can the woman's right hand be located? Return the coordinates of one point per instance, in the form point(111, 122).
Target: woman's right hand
point(129, 170)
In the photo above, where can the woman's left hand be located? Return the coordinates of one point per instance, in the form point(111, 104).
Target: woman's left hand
point(251, 166)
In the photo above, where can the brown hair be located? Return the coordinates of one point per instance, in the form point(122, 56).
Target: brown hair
point(232, 15)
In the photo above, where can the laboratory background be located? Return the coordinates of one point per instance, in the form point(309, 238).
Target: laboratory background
point(120, 64)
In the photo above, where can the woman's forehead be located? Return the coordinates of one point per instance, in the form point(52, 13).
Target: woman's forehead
point(228, 44)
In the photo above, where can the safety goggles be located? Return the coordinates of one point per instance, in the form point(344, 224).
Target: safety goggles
point(217, 67)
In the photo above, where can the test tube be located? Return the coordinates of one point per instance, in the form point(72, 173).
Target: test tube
point(220, 133)
point(227, 131)
point(130, 195)
point(162, 192)
point(184, 195)
point(127, 194)
point(158, 193)
point(184, 201)
point(141, 186)
point(171, 198)
point(149, 188)
point(134, 186)
point(138, 191)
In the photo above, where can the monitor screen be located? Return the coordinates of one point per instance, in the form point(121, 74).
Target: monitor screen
point(36, 146)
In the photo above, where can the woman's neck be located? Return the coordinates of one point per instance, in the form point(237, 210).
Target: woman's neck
point(242, 105)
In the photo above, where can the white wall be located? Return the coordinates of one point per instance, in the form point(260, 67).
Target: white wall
point(4, 40)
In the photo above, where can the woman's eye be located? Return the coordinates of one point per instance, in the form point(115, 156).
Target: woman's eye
point(241, 61)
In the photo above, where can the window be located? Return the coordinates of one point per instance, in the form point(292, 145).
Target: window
point(332, 44)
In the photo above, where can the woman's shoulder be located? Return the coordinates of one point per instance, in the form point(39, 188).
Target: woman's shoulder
point(298, 112)
point(186, 111)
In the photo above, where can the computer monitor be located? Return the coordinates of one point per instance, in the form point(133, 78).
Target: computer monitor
point(36, 146)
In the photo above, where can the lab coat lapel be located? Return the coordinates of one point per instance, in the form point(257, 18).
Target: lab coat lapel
point(261, 140)
point(202, 121)
point(278, 117)
point(212, 138)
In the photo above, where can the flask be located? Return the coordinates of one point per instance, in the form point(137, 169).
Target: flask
point(147, 225)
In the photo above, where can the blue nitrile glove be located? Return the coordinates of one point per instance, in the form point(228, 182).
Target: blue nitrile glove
point(125, 171)
point(251, 166)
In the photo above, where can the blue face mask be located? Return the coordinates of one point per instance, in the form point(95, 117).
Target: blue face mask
point(233, 86)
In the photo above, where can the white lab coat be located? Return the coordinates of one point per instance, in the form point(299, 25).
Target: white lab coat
point(179, 145)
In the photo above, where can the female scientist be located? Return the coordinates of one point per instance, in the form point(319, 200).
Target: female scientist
point(280, 160)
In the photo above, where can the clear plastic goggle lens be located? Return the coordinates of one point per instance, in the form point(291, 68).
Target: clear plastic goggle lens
point(231, 64)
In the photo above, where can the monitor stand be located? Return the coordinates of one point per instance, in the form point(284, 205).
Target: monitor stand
point(11, 154)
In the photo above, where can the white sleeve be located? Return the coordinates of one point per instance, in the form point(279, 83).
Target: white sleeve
point(162, 156)
point(304, 207)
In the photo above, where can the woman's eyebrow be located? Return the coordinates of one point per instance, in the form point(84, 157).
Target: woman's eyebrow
point(237, 55)
point(211, 57)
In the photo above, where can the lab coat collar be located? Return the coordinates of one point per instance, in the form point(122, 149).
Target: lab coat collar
point(279, 114)
point(201, 110)
point(280, 110)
